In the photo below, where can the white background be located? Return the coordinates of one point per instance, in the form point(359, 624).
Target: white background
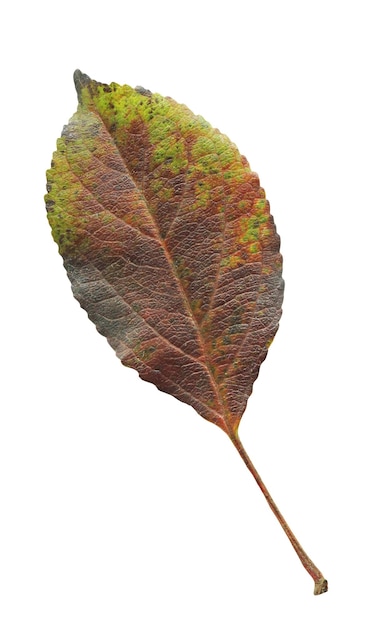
point(119, 504)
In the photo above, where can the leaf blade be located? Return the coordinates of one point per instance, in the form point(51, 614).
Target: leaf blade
point(169, 244)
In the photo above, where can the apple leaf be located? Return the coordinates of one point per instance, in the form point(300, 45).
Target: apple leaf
point(170, 247)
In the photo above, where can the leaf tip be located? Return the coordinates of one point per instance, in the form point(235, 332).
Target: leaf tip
point(81, 80)
point(142, 91)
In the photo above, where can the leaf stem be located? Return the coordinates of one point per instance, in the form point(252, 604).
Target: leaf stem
point(320, 583)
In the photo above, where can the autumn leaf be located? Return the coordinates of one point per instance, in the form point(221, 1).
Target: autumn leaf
point(170, 247)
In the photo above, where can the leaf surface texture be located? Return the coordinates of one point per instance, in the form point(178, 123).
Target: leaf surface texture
point(169, 244)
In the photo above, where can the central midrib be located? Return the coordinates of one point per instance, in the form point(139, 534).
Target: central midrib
point(185, 300)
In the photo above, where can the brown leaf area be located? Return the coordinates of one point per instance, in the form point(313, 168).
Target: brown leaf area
point(169, 245)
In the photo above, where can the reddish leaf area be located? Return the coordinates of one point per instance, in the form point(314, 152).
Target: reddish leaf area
point(169, 244)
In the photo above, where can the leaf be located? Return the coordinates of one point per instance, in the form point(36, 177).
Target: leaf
point(170, 247)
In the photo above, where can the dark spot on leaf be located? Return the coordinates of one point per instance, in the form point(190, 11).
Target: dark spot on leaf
point(143, 91)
